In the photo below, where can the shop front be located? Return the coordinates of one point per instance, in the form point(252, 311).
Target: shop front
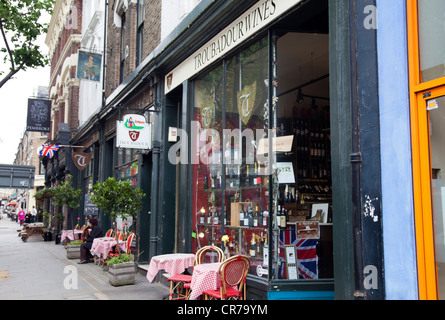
point(258, 178)
point(427, 92)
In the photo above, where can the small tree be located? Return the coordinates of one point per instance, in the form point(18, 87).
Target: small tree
point(66, 195)
point(117, 198)
point(19, 28)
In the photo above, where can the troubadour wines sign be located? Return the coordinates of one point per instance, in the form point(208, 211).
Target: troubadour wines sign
point(133, 132)
point(242, 29)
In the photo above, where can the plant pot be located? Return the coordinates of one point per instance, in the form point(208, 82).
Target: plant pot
point(122, 274)
point(73, 251)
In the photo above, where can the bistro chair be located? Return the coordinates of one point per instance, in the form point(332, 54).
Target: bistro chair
point(199, 259)
point(109, 233)
point(232, 279)
point(128, 246)
point(203, 252)
point(119, 235)
point(181, 282)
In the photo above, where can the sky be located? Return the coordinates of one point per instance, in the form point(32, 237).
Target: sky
point(14, 103)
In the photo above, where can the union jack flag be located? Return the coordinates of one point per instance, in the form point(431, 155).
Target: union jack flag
point(307, 258)
point(49, 150)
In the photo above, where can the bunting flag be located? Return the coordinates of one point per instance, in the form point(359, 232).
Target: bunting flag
point(49, 150)
point(307, 259)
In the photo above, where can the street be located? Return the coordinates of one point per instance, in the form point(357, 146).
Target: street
point(39, 270)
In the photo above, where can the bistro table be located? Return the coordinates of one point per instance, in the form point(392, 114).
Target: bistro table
point(68, 234)
point(103, 245)
point(205, 277)
point(174, 264)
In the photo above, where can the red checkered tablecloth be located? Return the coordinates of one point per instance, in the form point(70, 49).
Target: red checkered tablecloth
point(174, 264)
point(102, 246)
point(69, 234)
point(205, 277)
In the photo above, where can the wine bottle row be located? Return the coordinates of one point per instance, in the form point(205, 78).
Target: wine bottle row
point(236, 176)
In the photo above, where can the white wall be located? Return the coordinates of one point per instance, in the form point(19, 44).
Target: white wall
point(90, 92)
point(173, 11)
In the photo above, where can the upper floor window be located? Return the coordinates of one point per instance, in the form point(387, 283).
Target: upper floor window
point(140, 31)
point(123, 48)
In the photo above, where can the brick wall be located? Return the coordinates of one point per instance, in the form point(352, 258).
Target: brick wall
point(65, 49)
point(151, 36)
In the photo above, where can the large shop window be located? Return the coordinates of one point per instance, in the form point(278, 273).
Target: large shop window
point(282, 221)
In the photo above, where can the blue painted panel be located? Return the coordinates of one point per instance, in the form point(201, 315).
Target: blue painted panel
point(396, 161)
point(300, 295)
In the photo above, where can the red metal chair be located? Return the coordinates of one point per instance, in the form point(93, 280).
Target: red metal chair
point(181, 282)
point(232, 277)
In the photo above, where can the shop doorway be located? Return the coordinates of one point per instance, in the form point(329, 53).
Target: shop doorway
point(304, 113)
point(434, 103)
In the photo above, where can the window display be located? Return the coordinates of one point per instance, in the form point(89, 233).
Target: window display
point(238, 203)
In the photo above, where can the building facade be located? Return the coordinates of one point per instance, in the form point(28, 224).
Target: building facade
point(297, 128)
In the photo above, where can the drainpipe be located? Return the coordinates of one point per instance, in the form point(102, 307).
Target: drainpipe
point(154, 214)
point(356, 158)
point(154, 238)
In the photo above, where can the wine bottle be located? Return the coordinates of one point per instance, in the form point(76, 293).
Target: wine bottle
point(248, 218)
point(252, 246)
point(265, 216)
point(283, 216)
point(255, 218)
point(209, 216)
point(241, 217)
point(216, 217)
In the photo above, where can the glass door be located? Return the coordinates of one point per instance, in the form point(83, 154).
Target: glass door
point(435, 106)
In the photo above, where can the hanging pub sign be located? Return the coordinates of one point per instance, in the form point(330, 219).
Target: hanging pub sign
point(89, 65)
point(39, 115)
point(133, 132)
point(81, 159)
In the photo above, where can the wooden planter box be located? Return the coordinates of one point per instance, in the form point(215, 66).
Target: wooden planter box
point(122, 274)
point(73, 251)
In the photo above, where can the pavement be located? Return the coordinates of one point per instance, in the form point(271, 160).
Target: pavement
point(39, 270)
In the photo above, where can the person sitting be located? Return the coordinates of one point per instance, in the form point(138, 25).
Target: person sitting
point(94, 232)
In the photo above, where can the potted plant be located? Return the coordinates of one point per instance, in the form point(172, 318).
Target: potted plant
point(66, 196)
point(121, 270)
point(118, 198)
point(73, 250)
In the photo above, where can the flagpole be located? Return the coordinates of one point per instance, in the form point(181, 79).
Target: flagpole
point(62, 146)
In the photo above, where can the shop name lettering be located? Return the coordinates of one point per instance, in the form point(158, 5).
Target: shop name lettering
point(237, 32)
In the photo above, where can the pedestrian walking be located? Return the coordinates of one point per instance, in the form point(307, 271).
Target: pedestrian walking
point(21, 216)
point(33, 214)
